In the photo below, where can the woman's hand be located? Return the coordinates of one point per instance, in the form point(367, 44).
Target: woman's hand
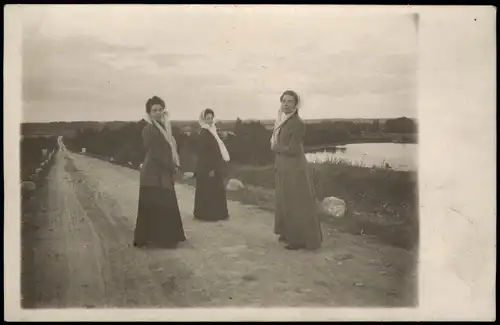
point(176, 169)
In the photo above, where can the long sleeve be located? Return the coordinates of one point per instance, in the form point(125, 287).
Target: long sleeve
point(293, 147)
point(155, 150)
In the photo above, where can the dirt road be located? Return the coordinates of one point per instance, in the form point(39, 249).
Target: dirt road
point(78, 231)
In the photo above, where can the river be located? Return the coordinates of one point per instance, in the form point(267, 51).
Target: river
point(398, 156)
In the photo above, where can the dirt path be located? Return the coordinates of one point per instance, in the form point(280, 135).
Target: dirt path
point(78, 234)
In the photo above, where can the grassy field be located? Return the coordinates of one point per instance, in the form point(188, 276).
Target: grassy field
point(381, 203)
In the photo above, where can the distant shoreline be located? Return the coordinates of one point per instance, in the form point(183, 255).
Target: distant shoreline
point(383, 138)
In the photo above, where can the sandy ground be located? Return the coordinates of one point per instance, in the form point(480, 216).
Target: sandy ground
point(77, 252)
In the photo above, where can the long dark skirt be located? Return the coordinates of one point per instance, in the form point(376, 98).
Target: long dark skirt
point(296, 216)
point(210, 202)
point(159, 222)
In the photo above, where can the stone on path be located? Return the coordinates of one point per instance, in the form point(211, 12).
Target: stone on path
point(234, 185)
point(333, 206)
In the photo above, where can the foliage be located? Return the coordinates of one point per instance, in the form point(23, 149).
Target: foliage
point(33, 151)
point(400, 125)
point(248, 143)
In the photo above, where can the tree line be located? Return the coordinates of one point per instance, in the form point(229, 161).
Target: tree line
point(248, 143)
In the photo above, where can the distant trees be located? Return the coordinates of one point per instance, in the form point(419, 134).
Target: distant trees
point(375, 126)
point(248, 143)
point(400, 125)
point(127, 143)
point(123, 145)
point(331, 132)
point(238, 123)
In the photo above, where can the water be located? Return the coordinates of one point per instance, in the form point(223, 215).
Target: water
point(398, 156)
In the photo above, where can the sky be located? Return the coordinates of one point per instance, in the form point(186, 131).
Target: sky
point(102, 62)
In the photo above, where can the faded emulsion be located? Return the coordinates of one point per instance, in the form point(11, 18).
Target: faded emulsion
point(168, 161)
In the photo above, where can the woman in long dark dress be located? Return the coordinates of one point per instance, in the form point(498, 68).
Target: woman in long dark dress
point(296, 219)
point(210, 195)
point(159, 222)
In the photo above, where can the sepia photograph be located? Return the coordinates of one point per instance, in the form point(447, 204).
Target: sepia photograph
point(218, 156)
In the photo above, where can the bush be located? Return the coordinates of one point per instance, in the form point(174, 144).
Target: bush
point(250, 144)
point(33, 151)
point(400, 125)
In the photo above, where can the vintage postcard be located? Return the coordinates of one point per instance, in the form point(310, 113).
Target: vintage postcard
point(237, 162)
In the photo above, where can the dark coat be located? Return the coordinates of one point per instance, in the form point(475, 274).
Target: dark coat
point(209, 156)
point(296, 216)
point(290, 139)
point(158, 167)
point(210, 196)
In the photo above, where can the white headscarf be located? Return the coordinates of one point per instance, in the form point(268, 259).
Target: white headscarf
point(213, 129)
point(278, 123)
point(167, 134)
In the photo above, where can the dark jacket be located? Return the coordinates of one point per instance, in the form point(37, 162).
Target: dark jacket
point(208, 152)
point(290, 138)
point(158, 167)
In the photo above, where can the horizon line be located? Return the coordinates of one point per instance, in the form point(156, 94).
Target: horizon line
point(221, 120)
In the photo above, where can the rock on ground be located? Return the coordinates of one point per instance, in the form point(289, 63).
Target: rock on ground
point(234, 184)
point(334, 207)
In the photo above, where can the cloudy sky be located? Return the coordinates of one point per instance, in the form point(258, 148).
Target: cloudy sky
point(103, 62)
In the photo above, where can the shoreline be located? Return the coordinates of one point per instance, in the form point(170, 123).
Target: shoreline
point(310, 149)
